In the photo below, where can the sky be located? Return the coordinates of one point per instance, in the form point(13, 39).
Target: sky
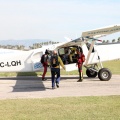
point(55, 19)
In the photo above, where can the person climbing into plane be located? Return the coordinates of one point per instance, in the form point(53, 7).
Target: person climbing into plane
point(66, 55)
point(45, 63)
point(80, 60)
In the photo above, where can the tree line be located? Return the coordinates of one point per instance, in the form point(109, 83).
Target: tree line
point(23, 47)
point(39, 45)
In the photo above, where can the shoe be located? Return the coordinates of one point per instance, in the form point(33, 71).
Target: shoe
point(79, 80)
point(53, 87)
point(71, 62)
point(57, 85)
point(44, 79)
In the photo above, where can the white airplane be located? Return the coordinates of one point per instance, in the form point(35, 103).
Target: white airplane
point(29, 61)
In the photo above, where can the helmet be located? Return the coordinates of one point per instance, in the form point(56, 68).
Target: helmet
point(46, 52)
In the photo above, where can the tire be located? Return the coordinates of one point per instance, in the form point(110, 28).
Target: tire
point(104, 74)
point(92, 74)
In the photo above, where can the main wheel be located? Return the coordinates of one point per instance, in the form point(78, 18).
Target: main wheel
point(91, 73)
point(104, 74)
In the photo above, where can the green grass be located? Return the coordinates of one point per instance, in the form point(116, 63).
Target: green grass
point(114, 66)
point(67, 108)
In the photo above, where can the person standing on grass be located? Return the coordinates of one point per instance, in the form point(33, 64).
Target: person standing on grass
point(55, 69)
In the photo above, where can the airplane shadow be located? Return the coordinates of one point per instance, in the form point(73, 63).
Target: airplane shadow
point(28, 84)
point(34, 83)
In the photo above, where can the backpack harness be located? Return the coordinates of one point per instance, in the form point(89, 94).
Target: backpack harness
point(44, 58)
point(54, 61)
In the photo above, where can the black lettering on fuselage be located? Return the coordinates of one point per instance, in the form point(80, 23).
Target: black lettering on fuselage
point(13, 63)
point(2, 64)
point(9, 64)
point(18, 62)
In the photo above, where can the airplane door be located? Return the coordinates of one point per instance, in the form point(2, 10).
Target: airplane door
point(68, 66)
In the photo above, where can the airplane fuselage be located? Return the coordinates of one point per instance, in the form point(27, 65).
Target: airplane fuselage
point(28, 61)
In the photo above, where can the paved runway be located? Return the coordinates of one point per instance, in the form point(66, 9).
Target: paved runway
point(34, 87)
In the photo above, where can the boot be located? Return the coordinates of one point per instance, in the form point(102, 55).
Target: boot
point(80, 77)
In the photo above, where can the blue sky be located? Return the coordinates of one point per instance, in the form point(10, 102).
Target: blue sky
point(55, 19)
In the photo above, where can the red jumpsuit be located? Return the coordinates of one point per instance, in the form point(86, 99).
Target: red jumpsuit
point(45, 64)
point(80, 61)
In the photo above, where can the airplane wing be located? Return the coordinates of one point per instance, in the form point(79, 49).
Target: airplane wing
point(101, 31)
point(78, 41)
point(91, 35)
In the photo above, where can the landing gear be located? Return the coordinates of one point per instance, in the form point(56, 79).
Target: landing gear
point(91, 73)
point(104, 74)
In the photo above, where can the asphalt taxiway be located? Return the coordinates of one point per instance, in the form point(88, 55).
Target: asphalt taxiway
point(34, 87)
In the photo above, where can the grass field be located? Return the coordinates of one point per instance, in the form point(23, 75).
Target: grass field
point(114, 66)
point(67, 108)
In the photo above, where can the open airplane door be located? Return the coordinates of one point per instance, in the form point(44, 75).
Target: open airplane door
point(72, 45)
point(69, 66)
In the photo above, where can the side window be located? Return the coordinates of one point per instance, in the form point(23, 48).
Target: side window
point(88, 46)
point(61, 51)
